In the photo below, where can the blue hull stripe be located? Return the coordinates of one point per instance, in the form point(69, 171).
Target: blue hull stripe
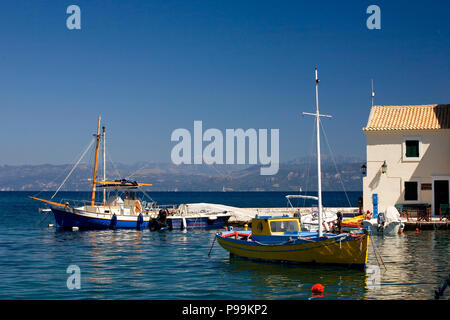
point(67, 220)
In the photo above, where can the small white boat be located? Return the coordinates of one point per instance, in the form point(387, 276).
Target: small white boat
point(310, 221)
point(387, 223)
point(188, 216)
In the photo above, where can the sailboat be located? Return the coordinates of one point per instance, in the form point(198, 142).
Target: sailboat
point(280, 239)
point(115, 212)
point(125, 209)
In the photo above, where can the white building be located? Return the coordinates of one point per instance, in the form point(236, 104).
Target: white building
point(408, 156)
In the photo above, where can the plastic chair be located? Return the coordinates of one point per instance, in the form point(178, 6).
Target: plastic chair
point(444, 212)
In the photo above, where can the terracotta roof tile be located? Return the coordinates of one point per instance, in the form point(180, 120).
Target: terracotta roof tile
point(420, 117)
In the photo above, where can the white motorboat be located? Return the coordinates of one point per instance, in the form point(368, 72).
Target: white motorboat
point(387, 223)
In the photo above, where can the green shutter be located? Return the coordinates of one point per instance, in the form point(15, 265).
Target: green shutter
point(412, 148)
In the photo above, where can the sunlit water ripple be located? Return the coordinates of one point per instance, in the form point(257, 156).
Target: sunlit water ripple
point(130, 264)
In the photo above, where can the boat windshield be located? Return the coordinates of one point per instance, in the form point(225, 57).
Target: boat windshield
point(284, 226)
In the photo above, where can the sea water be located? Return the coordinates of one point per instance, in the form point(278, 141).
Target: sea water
point(131, 264)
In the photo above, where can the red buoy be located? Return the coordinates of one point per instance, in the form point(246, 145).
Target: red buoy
point(417, 230)
point(317, 290)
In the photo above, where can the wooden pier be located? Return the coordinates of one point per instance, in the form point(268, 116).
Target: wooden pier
point(433, 224)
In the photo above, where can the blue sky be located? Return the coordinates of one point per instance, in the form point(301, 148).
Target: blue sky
point(150, 67)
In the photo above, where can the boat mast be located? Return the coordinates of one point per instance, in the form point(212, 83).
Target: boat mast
point(95, 164)
point(319, 172)
point(104, 163)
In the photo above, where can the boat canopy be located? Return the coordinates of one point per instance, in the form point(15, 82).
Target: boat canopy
point(121, 184)
point(295, 196)
point(115, 201)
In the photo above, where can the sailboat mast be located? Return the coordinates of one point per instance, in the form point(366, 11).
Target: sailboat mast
point(95, 164)
point(319, 171)
point(104, 162)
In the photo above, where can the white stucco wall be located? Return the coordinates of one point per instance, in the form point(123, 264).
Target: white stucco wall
point(388, 146)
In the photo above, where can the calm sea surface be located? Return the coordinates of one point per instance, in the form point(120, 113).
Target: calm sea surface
point(130, 264)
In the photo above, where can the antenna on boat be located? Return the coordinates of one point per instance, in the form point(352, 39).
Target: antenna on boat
point(104, 162)
point(319, 173)
point(95, 164)
point(372, 93)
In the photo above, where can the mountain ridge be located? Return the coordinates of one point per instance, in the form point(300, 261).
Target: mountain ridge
point(292, 175)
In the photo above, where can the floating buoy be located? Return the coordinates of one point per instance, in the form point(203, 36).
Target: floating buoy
point(75, 228)
point(50, 225)
point(417, 230)
point(317, 290)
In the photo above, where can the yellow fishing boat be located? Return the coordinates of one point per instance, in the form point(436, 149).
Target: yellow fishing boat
point(280, 239)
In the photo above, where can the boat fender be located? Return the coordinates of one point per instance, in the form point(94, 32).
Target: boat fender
point(140, 219)
point(113, 221)
point(138, 206)
point(340, 217)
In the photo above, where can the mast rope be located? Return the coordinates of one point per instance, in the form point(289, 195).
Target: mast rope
point(309, 163)
point(335, 165)
point(73, 168)
point(114, 167)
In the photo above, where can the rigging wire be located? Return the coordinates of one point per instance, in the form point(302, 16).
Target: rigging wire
point(73, 168)
point(60, 175)
point(335, 165)
point(114, 167)
point(308, 162)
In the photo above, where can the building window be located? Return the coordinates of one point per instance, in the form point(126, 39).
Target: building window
point(411, 193)
point(412, 148)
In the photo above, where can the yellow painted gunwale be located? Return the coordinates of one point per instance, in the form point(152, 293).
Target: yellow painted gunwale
point(327, 251)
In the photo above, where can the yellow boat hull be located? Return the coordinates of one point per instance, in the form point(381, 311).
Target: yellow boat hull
point(351, 252)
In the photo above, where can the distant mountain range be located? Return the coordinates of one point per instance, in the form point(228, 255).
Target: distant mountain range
point(292, 175)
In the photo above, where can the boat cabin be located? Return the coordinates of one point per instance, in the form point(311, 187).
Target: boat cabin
point(269, 225)
point(275, 229)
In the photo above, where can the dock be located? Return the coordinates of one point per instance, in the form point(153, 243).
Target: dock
point(433, 224)
point(242, 216)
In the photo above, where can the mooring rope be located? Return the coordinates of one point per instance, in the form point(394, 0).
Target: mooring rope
point(377, 254)
point(73, 168)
